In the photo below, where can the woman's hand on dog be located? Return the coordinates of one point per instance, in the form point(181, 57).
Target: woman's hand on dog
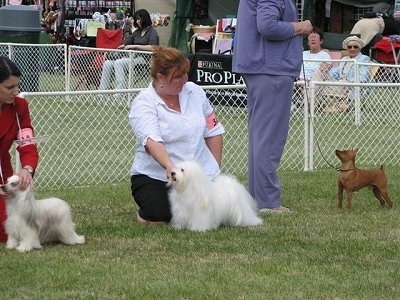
point(25, 178)
point(169, 169)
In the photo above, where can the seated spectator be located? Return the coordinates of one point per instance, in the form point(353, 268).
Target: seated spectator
point(314, 41)
point(144, 38)
point(346, 72)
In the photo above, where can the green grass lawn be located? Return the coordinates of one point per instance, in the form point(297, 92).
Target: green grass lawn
point(316, 252)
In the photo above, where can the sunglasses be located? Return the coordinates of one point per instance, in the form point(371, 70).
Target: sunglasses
point(353, 47)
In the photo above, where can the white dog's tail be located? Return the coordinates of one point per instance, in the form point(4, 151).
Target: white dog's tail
point(241, 206)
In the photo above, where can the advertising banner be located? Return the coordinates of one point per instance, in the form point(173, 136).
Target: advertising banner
point(214, 69)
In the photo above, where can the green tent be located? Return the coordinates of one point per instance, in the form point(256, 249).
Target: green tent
point(180, 20)
point(192, 12)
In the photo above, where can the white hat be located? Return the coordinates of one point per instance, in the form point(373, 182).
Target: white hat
point(353, 39)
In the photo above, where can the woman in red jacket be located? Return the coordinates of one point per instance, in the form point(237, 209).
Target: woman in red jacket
point(15, 125)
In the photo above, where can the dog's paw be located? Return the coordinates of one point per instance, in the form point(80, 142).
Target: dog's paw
point(80, 239)
point(37, 246)
point(11, 245)
point(24, 248)
point(177, 226)
point(201, 228)
point(254, 221)
point(73, 240)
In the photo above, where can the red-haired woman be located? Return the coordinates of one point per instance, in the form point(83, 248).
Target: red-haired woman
point(172, 121)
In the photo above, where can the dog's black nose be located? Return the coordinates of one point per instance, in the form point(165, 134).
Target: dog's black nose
point(3, 187)
point(173, 173)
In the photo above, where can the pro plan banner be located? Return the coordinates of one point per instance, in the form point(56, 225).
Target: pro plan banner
point(214, 69)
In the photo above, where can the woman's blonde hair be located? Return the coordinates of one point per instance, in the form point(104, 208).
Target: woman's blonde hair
point(168, 61)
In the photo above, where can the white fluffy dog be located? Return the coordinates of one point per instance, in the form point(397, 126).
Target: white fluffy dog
point(31, 222)
point(199, 204)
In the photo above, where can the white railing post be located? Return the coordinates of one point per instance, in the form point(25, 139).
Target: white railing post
point(357, 106)
point(309, 123)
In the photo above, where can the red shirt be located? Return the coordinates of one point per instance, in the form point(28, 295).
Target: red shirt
point(8, 133)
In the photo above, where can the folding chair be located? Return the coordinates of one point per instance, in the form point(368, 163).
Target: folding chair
point(339, 101)
point(387, 51)
point(109, 39)
point(105, 39)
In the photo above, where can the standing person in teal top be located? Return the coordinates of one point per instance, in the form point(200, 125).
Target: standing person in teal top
point(268, 54)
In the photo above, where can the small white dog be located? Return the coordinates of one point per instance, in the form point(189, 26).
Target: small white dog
point(32, 222)
point(199, 204)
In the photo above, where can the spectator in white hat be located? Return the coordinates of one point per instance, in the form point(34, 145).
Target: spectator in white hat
point(346, 72)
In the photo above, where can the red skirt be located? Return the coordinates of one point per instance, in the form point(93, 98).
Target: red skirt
point(3, 218)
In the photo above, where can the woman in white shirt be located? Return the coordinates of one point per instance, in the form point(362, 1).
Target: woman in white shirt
point(314, 60)
point(314, 40)
point(172, 121)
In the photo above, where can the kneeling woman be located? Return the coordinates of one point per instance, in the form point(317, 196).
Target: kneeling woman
point(172, 121)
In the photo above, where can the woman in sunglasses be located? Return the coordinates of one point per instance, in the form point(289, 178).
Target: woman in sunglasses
point(346, 72)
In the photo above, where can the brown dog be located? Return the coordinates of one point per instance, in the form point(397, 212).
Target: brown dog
point(353, 179)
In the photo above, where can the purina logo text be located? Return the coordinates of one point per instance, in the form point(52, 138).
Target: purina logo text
point(204, 64)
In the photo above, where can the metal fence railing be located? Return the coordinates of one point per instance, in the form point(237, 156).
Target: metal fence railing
point(88, 67)
point(43, 66)
point(371, 121)
point(91, 142)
